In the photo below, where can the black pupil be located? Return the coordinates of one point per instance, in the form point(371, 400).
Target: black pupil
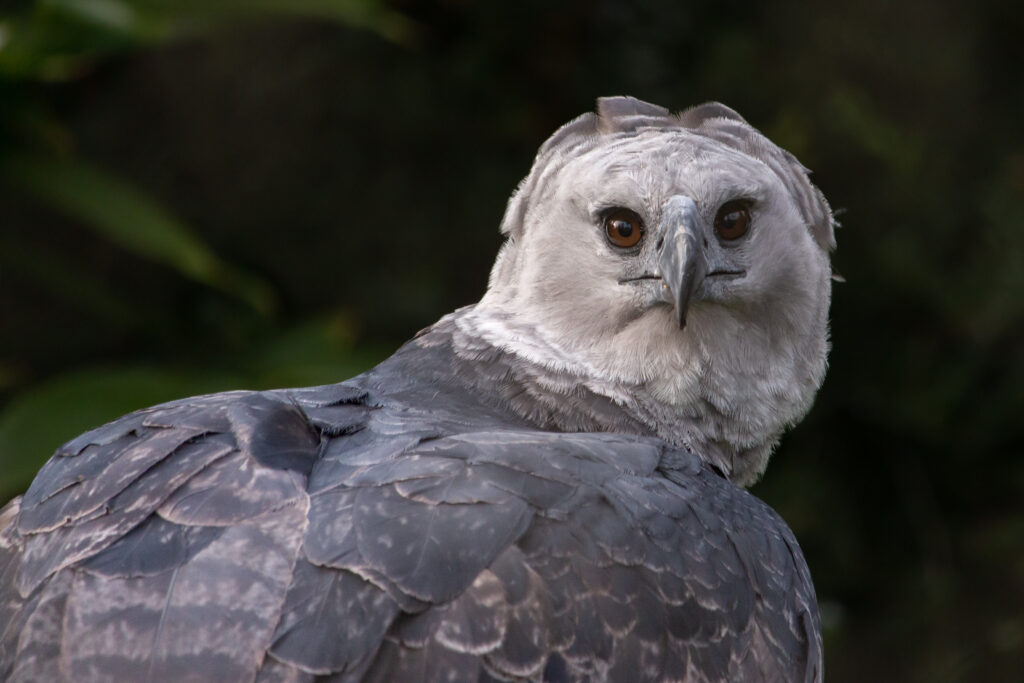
point(731, 219)
point(623, 228)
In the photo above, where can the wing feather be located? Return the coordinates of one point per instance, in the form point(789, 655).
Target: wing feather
point(240, 537)
point(214, 614)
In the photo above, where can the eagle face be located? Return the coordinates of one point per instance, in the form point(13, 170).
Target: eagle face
point(685, 256)
point(621, 211)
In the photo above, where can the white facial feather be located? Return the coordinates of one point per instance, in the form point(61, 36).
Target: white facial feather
point(753, 351)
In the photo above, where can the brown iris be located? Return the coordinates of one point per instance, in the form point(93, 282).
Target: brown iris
point(623, 227)
point(733, 220)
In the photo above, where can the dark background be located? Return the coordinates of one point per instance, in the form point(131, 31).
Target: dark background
point(197, 196)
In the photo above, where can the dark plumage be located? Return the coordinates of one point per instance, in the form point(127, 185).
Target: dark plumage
point(461, 512)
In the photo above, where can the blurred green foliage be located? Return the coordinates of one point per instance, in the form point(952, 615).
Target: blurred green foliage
point(197, 196)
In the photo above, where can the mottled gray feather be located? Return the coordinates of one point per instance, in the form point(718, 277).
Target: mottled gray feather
point(332, 620)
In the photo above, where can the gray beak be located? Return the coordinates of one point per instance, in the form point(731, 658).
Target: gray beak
point(681, 253)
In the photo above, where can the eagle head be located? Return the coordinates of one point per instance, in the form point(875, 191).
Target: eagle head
point(680, 261)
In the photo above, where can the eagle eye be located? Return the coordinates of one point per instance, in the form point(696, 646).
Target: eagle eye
point(623, 228)
point(732, 220)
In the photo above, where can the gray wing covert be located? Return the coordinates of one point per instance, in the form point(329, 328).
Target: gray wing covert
point(160, 544)
point(539, 556)
point(623, 574)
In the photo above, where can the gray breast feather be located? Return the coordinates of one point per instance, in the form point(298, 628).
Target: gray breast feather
point(189, 541)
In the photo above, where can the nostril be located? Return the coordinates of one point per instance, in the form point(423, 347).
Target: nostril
point(661, 242)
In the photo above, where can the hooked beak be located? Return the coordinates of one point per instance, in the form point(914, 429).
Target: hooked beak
point(681, 259)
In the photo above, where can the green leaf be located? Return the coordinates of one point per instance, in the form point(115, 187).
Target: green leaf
point(113, 14)
point(59, 40)
point(130, 219)
point(372, 15)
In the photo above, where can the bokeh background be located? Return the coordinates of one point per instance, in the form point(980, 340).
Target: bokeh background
point(202, 195)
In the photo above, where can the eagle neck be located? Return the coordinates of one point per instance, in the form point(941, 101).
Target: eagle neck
point(549, 387)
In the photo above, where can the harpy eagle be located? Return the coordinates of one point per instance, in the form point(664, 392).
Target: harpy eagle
point(547, 485)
